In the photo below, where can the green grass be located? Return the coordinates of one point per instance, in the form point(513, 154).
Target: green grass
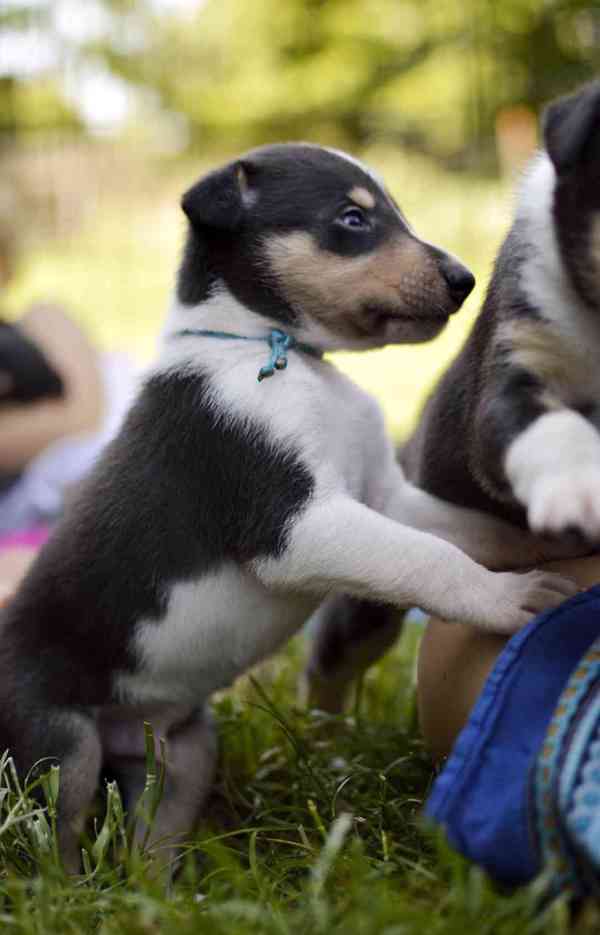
point(315, 823)
point(315, 828)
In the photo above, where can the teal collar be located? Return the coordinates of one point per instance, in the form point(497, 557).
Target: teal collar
point(279, 342)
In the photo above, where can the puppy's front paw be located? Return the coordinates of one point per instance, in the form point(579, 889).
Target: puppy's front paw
point(521, 597)
point(567, 503)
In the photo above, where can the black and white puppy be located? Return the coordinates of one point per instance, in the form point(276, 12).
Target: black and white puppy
point(513, 427)
point(522, 399)
point(228, 508)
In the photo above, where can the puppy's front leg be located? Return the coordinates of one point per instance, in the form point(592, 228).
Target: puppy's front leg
point(554, 470)
point(341, 545)
point(349, 635)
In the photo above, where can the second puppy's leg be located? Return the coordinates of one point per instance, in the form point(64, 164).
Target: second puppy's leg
point(349, 636)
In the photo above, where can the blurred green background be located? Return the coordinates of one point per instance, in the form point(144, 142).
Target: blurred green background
point(110, 108)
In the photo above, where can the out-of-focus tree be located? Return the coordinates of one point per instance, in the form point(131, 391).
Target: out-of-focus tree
point(31, 97)
point(433, 75)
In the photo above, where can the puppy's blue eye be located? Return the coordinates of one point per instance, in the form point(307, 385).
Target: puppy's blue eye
point(353, 217)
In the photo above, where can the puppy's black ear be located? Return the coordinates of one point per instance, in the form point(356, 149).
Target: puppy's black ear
point(568, 124)
point(220, 199)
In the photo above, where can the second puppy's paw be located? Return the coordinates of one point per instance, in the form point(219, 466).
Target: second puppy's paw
point(567, 503)
point(519, 597)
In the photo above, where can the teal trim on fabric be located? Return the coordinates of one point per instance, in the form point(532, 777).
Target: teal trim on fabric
point(556, 774)
point(583, 820)
point(279, 342)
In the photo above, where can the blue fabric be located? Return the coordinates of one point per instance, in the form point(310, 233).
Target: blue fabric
point(481, 796)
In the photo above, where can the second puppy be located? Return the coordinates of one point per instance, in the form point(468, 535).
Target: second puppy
point(513, 426)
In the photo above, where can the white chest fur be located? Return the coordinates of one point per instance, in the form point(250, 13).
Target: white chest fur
point(215, 628)
point(546, 283)
point(218, 625)
point(329, 421)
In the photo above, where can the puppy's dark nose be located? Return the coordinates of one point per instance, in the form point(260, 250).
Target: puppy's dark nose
point(460, 280)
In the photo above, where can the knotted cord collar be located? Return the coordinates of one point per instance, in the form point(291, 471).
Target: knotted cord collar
point(279, 342)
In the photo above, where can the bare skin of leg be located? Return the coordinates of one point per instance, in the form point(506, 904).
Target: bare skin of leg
point(26, 429)
point(14, 563)
point(455, 660)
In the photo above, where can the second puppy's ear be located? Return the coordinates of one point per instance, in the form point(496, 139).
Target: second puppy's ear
point(569, 123)
point(220, 199)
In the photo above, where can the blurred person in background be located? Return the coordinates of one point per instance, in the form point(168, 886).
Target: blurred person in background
point(60, 402)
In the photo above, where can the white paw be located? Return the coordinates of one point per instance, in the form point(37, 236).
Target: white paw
point(515, 598)
point(567, 502)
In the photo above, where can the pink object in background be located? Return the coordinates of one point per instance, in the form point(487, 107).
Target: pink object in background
point(24, 538)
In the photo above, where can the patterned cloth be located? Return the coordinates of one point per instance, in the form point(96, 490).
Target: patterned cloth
point(565, 785)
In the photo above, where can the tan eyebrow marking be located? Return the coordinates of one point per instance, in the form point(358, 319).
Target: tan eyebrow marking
point(362, 197)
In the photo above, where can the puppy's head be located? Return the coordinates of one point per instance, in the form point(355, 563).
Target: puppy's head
point(311, 237)
point(572, 138)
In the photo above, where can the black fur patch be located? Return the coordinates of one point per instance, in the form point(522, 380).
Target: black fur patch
point(180, 491)
point(346, 622)
point(572, 135)
point(570, 124)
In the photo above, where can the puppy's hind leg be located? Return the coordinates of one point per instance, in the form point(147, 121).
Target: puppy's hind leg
point(79, 777)
point(70, 739)
point(349, 636)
